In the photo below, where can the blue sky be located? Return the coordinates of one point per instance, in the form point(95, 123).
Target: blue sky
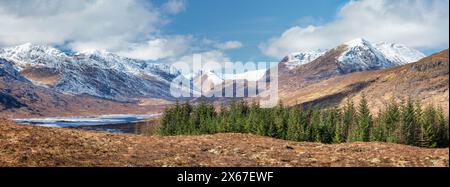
point(253, 21)
point(248, 21)
point(222, 30)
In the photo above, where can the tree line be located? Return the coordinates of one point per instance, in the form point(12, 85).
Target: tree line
point(404, 123)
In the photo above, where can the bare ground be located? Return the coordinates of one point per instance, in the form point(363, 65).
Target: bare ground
point(22, 145)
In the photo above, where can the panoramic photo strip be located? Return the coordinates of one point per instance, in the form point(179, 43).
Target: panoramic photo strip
point(223, 91)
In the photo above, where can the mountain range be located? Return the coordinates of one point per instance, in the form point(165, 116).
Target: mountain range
point(36, 79)
point(97, 73)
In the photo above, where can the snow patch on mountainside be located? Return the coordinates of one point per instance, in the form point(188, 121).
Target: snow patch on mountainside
point(361, 55)
point(300, 58)
point(398, 53)
point(33, 55)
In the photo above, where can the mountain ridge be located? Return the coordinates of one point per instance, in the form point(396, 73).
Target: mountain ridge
point(99, 74)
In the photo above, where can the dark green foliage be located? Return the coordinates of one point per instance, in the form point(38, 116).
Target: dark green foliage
point(363, 121)
point(389, 120)
point(294, 125)
point(442, 129)
point(377, 132)
point(427, 121)
point(348, 121)
point(406, 123)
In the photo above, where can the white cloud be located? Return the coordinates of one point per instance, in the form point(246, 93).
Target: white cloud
point(131, 28)
point(229, 45)
point(159, 48)
point(60, 21)
point(176, 47)
point(415, 23)
point(213, 56)
point(174, 6)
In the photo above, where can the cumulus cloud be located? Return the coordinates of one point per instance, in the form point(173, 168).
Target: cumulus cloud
point(131, 28)
point(415, 23)
point(214, 56)
point(159, 48)
point(60, 21)
point(229, 45)
point(174, 6)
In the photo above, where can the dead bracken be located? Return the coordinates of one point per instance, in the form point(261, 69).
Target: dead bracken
point(23, 145)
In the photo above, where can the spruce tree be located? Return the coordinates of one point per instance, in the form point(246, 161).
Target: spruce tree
point(418, 127)
point(167, 123)
point(390, 120)
point(222, 119)
point(338, 133)
point(442, 129)
point(304, 124)
point(328, 125)
point(378, 132)
point(294, 129)
point(280, 121)
point(428, 120)
point(408, 123)
point(183, 113)
point(314, 126)
point(253, 120)
point(364, 121)
point(348, 121)
point(263, 127)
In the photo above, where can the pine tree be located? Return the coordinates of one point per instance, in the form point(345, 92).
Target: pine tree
point(442, 129)
point(304, 124)
point(408, 123)
point(182, 116)
point(222, 119)
point(348, 121)
point(271, 129)
point(253, 120)
point(338, 133)
point(263, 128)
point(280, 121)
point(378, 130)
point(294, 129)
point(328, 125)
point(418, 126)
point(364, 121)
point(232, 118)
point(314, 126)
point(390, 120)
point(167, 122)
point(428, 119)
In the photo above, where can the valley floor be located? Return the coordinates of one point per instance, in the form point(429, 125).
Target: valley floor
point(22, 145)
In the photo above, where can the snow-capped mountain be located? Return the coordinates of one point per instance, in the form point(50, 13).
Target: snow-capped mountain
point(300, 58)
point(98, 73)
point(398, 53)
point(8, 71)
point(359, 55)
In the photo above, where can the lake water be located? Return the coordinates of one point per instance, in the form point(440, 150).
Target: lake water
point(91, 121)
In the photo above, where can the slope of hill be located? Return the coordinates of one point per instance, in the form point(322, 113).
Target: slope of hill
point(426, 80)
point(23, 145)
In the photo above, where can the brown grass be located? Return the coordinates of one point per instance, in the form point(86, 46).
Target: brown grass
point(22, 145)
